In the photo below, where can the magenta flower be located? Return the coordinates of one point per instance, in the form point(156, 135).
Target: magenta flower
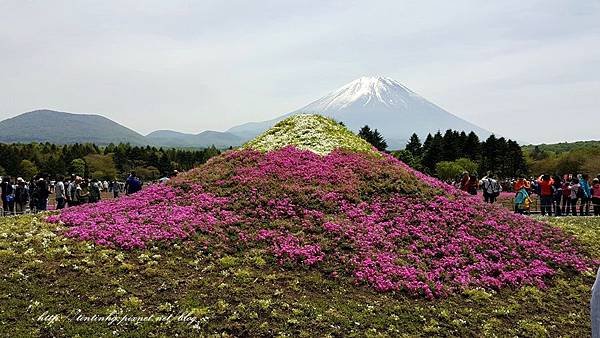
point(369, 218)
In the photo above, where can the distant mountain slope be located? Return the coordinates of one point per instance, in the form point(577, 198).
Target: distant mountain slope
point(381, 103)
point(207, 138)
point(66, 128)
point(564, 146)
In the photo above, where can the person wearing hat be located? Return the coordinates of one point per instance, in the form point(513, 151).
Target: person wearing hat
point(43, 193)
point(21, 196)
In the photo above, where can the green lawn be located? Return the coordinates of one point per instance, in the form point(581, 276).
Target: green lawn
point(247, 294)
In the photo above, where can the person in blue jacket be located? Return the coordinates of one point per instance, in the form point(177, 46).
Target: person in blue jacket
point(133, 184)
point(586, 195)
point(522, 201)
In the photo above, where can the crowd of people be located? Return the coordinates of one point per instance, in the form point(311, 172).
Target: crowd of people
point(558, 195)
point(489, 185)
point(20, 196)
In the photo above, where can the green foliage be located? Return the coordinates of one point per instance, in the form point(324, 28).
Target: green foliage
point(101, 167)
point(498, 155)
point(408, 158)
point(373, 137)
point(414, 146)
point(447, 170)
point(432, 151)
point(57, 160)
point(584, 158)
point(316, 133)
point(2, 171)
point(147, 173)
point(467, 164)
point(78, 167)
point(28, 169)
point(563, 147)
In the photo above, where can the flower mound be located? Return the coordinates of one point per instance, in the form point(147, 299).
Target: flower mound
point(349, 214)
point(316, 133)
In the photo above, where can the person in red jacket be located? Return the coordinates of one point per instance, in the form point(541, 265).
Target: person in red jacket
point(464, 181)
point(546, 193)
point(521, 183)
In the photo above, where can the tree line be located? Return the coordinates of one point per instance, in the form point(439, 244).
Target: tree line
point(104, 163)
point(449, 154)
point(565, 158)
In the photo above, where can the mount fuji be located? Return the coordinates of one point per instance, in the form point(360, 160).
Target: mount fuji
point(380, 102)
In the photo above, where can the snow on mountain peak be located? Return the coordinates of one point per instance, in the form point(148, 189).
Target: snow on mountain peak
point(381, 103)
point(366, 90)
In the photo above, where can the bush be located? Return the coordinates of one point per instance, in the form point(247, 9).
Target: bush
point(447, 170)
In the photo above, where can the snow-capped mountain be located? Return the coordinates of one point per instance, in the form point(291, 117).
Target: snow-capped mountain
point(381, 103)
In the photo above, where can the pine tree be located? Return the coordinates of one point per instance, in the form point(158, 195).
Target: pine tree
point(489, 155)
point(379, 141)
point(366, 133)
point(433, 154)
point(164, 165)
point(427, 143)
point(450, 145)
point(414, 146)
point(373, 137)
point(472, 147)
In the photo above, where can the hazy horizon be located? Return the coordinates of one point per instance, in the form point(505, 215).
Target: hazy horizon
point(194, 66)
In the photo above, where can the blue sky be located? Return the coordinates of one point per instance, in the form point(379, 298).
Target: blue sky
point(529, 70)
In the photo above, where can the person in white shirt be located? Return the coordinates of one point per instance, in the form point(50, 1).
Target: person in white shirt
point(491, 188)
point(60, 193)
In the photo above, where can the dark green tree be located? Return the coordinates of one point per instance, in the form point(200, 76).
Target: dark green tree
point(164, 166)
point(433, 154)
point(373, 137)
point(472, 147)
point(414, 146)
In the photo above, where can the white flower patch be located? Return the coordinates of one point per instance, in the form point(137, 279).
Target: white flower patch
point(316, 133)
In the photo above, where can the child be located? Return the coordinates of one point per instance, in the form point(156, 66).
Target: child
point(522, 201)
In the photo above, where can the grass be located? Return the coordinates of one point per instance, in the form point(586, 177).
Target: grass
point(190, 291)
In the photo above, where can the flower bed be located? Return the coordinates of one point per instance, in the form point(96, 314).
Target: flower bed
point(351, 214)
point(316, 133)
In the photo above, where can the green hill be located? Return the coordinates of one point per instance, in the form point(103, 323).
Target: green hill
point(563, 147)
point(66, 128)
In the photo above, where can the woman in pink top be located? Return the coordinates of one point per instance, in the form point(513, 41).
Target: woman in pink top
point(596, 196)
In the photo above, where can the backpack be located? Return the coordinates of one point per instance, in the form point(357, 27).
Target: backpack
point(10, 193)
point(496, 188)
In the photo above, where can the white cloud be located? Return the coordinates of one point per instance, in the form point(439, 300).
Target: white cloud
point(191, 65)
